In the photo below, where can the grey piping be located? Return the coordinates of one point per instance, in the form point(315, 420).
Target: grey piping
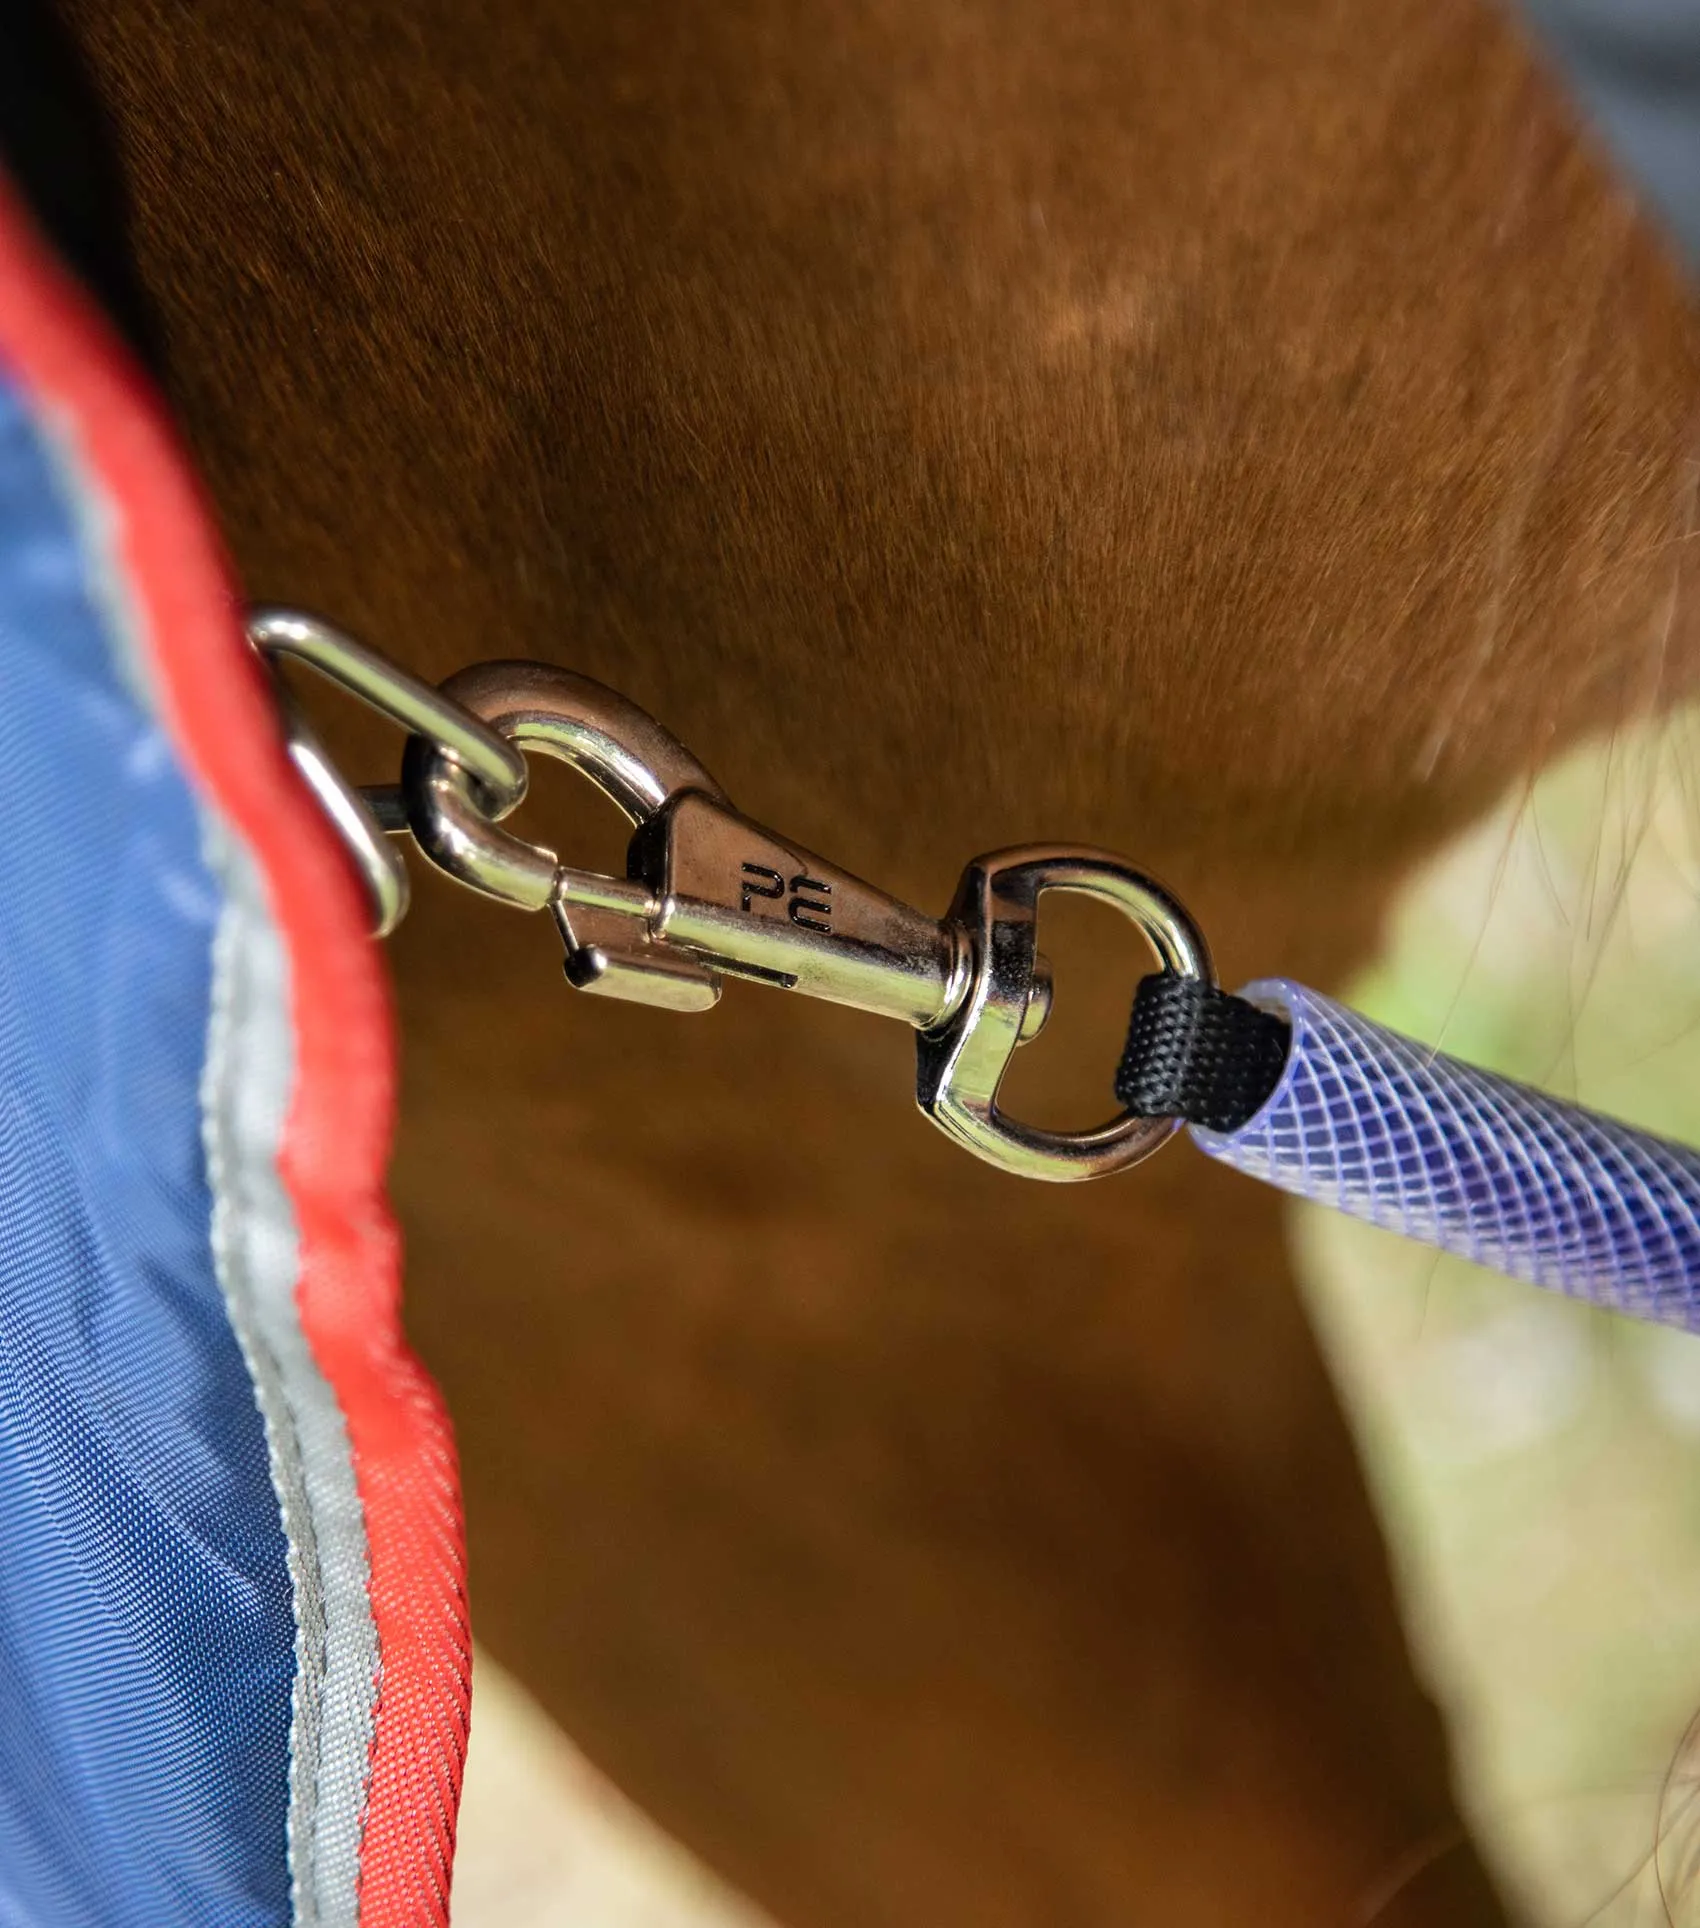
point(245, 1097)
point(244, 1101)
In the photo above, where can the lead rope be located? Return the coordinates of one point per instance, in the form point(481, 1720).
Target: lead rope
point(1293, 1088)
point(1279, 1082)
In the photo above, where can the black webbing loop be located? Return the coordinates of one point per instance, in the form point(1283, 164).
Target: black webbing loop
point(1198, 1053)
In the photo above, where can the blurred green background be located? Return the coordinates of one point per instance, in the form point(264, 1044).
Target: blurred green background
point(1538, 1463)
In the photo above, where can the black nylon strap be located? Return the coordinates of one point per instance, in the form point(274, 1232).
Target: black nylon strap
point(1198, 1053)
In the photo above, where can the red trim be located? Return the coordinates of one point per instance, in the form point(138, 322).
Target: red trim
point(337, 1136)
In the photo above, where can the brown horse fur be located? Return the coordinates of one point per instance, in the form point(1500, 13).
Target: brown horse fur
point(1248, 434)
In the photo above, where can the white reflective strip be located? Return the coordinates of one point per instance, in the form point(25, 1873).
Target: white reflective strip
point(244, 1100)
point(245, 1097)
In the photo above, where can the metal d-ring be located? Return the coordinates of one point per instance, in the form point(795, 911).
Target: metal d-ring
point(709, 893)
point(961, 1064)
point(362, 818)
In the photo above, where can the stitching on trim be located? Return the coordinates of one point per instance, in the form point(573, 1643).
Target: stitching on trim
point(228, 1031)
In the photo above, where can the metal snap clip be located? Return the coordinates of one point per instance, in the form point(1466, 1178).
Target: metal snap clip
point(711, 894)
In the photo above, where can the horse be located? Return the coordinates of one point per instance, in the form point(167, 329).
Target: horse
point(1249, 437)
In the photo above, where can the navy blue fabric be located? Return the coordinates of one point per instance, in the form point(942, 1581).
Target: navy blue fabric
point(146, 1635)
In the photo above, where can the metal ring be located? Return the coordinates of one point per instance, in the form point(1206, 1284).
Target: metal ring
point(378, 861)
point(961, 1067)
point(392, 691)
point(362, 818)
point(630, 757)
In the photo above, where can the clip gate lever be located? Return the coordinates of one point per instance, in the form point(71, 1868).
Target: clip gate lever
point(711, 894)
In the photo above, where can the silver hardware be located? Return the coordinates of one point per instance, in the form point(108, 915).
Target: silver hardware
point(352, 816)
point(637, 764)
point(365, 818)
point(962, 1062)
point(710, 894)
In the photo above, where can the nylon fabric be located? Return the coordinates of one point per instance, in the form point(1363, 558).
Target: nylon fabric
point(146, 1631)
point(256, 1247)
point(1197, 1053)
point(299, 1102)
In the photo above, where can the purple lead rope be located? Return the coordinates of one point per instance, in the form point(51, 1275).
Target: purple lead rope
point(1386, 1129)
